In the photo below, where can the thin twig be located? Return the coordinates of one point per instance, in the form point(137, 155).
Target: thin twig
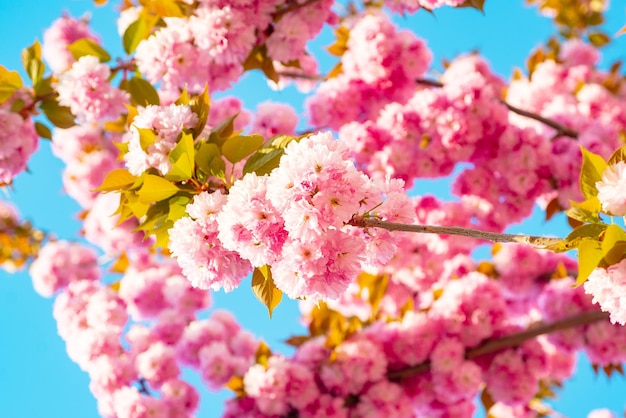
point(509, 341)
point(293, 7)
point(428, 82)
point(293, 74)
point(536, 241)
point(561, 129)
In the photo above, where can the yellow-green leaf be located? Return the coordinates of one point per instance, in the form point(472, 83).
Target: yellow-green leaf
point(138, 31)
point(137, 208)
point(599, 39)
point(618, 155)
point(156, 188)
point(586, 211)
point(239, 147)
point(613, 243)
point(178, 206)
point(59, 116)
point(258, 59)
point(263, 161)
point(9, 82)
point(184, 98)
point(223, 131)
point(205, 154)
point(263, 354)
point(474, 4)
point(31, 60)
point(182, 159)
point(591, 173)
point(117, 179)
point(42, 130)
point(200, 105)
point(164, 8)
point(142, 93)
point(589, 257)
point(591, 231)
point(264, 288)
point(147, 137)
point(86, 46)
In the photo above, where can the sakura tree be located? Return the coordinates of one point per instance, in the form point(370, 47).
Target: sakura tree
point(185, 192)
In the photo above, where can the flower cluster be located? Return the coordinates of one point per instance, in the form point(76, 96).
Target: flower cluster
point(85, 88)
point(18, 141)
point(296, 219)
point(213, 43)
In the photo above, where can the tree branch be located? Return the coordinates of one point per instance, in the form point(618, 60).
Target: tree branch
point(561, 129)
point(293, 74)
point(510, 341)
point(294, 6)
point(536, 241)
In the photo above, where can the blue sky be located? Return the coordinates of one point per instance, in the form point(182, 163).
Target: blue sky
point(36, 377)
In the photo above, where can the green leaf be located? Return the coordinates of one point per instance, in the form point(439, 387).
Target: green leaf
point(86, 46)
point(120, 178)
point(182, 159)
point(155, 218)
point(591, 173)
point(178, 206)
point(205, 154)
point(223, 131)
point(31, 60)
point(59, 116)
point(142, 93)
point(267, 158)
point(263, 161)
point(618, 155)
point(599, 39)
point(613, 244)
point(42, 130)
point(137, 208)
point(615, 254)
point(200, 105)
point(587, 211)
point(376, 286)
point(9, 82)
point(474, 4)
point(155, 189)
point(264, 288)
point(589, 257)
point(258, 59)
point(586, 231)
point(239, 147)
point(184, 98)
point(137, 32)
point(147, 137)
point(165, 8)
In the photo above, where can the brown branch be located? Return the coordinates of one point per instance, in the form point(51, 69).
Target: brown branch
point(536, 241)
point(293, 7)
point(429, 83)
point(510, 341)
point(293, 74)
point(561, 129)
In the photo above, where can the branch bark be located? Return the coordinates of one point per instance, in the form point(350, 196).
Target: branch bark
point(510, 341)
point(294, 6)
point(561, 130)
point(536, 241)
